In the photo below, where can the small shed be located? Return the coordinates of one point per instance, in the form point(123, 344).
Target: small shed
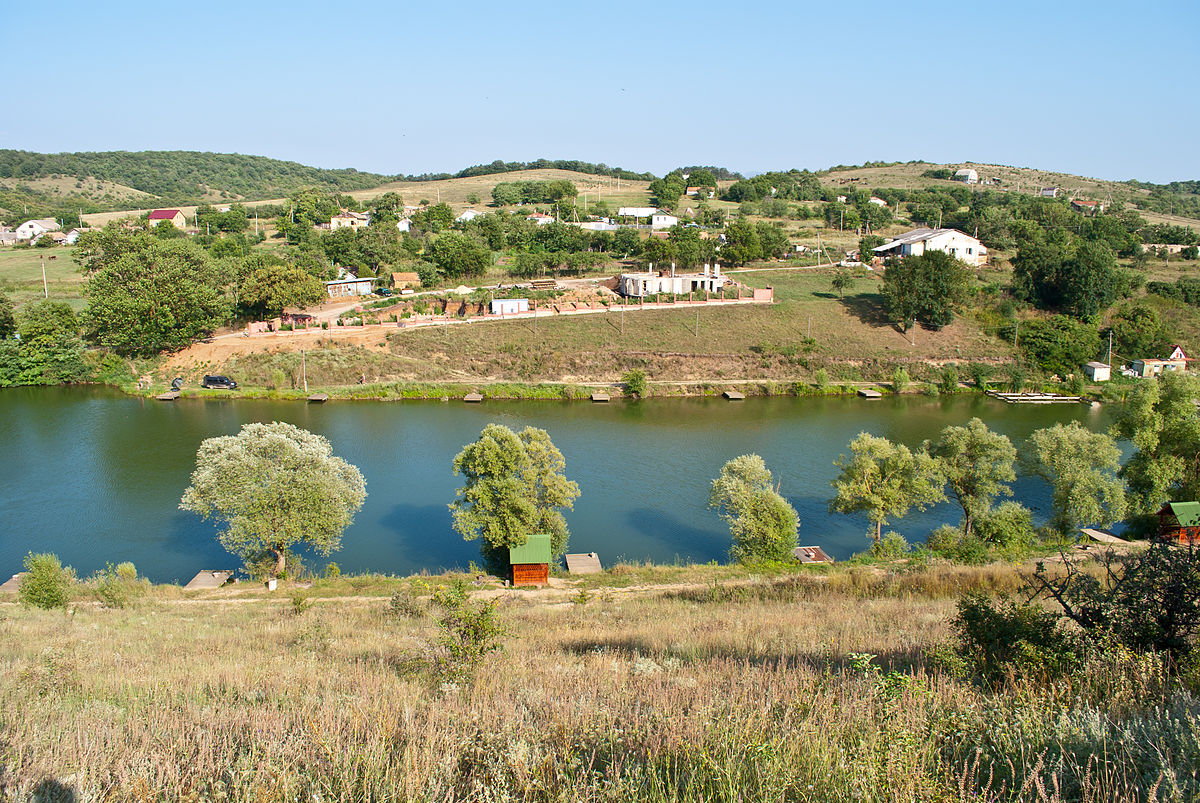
point(509, 306)
point(530, 562)
point(1097, 371)
point(1180, 521)
point(811, 554)
point(584, 563)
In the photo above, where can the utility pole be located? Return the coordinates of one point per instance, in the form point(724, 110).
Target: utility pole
point(303, 371)
point(1110, 348)
point(45, 287)
point(697, 322)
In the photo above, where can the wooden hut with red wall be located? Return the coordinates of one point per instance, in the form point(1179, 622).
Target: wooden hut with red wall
point(1180, 522)
point(530, 562)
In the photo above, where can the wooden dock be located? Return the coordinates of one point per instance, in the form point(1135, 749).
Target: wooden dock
point(474, 398)
point(734, 395)
point(600, 396)
point(318, 398)
point(868, 393)
point(1034, 398)
point(170, 395)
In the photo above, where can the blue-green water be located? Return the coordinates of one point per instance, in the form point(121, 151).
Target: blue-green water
point(96, 476)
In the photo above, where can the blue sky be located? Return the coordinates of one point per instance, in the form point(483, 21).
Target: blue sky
point(1098, 88)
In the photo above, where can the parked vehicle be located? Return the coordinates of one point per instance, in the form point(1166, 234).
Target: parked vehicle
point(218, 382)
point(383, 291)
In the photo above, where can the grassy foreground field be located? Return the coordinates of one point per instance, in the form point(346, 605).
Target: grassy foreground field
point(714, 685)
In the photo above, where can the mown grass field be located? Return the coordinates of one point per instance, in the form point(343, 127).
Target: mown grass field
point(21, 275)
point(848, 335)
point(793, 687)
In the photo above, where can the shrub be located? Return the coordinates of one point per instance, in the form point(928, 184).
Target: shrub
point(980, 374)
point(948, 381)
point(635, 383)
point(300, 603)
point(943, 540)
point(332, 570)
point(117, 587)
point(127, 571)
point(891, 546)
point(900, 380)
point(1010, 524)
point(1011, 639)
point(404, 605)
point(821, 379)
point(47, 583)
point(469, 632)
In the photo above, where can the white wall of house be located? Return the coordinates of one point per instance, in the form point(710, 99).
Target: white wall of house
point(349, 287)
point(32, 229)
point(661, 220)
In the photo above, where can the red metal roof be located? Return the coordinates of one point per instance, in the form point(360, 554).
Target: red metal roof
point(164, 214)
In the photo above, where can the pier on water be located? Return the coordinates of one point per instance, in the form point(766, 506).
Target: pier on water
point(1034, 398)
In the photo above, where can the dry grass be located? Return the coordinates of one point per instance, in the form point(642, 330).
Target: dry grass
point(615, 696)
point(21, 274)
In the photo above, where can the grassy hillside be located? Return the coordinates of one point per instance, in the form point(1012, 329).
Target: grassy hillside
point(689, 684)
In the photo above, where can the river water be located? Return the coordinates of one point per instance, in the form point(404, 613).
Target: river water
point(96, 476)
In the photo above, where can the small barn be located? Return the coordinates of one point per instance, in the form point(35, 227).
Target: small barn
point(530, 562)
point(1179, 521)
point(1098, 371)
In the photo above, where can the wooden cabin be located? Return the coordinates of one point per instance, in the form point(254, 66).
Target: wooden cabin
point(530, 562)
point(1179, 521)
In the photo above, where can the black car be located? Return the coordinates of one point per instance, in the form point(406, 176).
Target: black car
point(217, 382)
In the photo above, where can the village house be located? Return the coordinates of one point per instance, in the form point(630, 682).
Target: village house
point(636, 211)
point(708, 192)
point(467, 216)
point(876, 201)
point(598, 225)
point(349, 220)
point(651, 282)
point(73, 236)
point(951, 241)
point(541, 218)
point(1150, 367)
point(32, 229)
point(1098, 371)
point(966, 175)
point(1087, 207)
point(1179, 522)
point(350, 286)
point(402, 280)
point(509, 306)
point(8, 237)
point(173, 216)
point(405, 224)
point(1050, 192)
point(663, 220)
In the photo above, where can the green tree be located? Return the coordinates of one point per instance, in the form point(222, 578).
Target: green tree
point(976, 463)
point(47, 583)
point(1081, 467)
point(273, 486)
point(885, 480)
point(513, 487)
point(742, 244)
point(627, 242)
point(842, 281)
point(8, 322)
point(1138, 331)
point(1080, 279)
point(459, 255)
point(926, 289)
point(657, 252)
point(155, 296)
point(1058, 344)
point(50, 350)
point(1159, 419)
point(270, 289)
point(761, 522)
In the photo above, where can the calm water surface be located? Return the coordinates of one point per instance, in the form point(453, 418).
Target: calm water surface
point(96, 476)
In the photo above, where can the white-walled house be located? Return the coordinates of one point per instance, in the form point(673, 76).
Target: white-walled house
point(467, 216)
point(73, 236)
point(32, 229)
point(951, 241)
point(636, 211)
point(405, 224)
point(966, 175)
point(1098, 371)
point(350, 286)
point(541, 218)
point(349, 220)
point(1050, 192)
point(876, 201)
point(663, 220)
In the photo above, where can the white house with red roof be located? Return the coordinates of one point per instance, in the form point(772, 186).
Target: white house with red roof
point(172, 216)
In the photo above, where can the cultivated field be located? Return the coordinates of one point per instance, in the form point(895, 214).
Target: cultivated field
point(795, 687)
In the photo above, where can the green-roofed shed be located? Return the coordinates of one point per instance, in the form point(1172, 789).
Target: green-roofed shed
point(531, 561)
point(1179, 521)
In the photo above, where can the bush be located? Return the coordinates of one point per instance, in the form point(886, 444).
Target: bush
point(47, 583)
point(948, 381)
point(117, 587)
point(943, 540)
point(1010, 639)
point(900, 380)
point(821, 379)
point(404, 605)
point(1010, 524)
point(635, 383)
point(469, 632)
point(891, 546)
point(980, 374)
point(332, 570)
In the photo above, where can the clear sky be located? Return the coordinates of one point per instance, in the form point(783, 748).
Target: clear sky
point(1099, 88)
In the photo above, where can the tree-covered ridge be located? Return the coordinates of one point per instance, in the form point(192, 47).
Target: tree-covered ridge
point(574, 165)
point(1176, 198)
point(179, 176)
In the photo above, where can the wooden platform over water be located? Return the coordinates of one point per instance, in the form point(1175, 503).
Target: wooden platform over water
point(1034, 398)
point(600, 396)
point(868, 393)
point(734, 395)
point(170, 395)
point(319, 398)
point(474, 398)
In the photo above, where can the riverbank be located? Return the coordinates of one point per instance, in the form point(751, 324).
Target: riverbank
point(783, 687)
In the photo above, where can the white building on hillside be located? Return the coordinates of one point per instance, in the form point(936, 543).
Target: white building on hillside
point(350, 286)
point(349, 220)
point(651, 283)
point(662, 220)
point(636, 211)
point(467, 216)
point(966, 175)
point(953, 242)
point(32, 229)
point(405, 224)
